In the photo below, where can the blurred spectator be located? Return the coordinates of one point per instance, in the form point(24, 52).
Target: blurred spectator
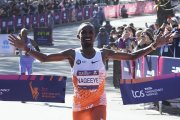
point(127, 42)
point(138, 36)
point(95, 21)
point(120, 31)
point(101, 16)
point(147, 37)
point(102, 38)
point(108, 26)
point(103, 41)
point(173, 22)
point(124, 12)
point(173, 48)
point(176, 43)
point(40, 8)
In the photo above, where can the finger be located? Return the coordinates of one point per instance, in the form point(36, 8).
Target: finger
point(11, 37)
point(168, 36)
point(12, 44)
point(14, 37)
point(11, 40)
point(159, 35)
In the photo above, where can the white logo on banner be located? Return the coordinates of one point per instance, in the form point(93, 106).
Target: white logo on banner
point(138, 72)
point(3, 91)
point(175, 69)
point(148, 91)
point(27, 20)
point(5, 47)
point(3, 24)
point(126, 69)
point(138, 94)
point(150, 73)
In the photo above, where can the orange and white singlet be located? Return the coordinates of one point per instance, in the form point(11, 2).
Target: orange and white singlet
point(89, 81)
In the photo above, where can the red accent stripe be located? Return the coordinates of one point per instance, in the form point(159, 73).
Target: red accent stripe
point(23, 77)
point(33, 77)
point(42, 77)
point(9, 77)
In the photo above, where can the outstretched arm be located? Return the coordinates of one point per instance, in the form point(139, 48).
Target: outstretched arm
point(66, 54)
point(160, 40)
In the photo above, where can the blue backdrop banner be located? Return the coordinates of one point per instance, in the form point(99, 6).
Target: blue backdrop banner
point(34, 88)
point(150, 89)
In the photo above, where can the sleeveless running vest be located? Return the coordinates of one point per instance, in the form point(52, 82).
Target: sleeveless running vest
point(88, 76)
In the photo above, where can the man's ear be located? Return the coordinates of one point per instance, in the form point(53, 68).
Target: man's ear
point(78, 36)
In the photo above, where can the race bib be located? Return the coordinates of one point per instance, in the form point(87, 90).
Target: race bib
point(88, 79)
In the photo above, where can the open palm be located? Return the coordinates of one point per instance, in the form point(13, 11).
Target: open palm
point(16, 42)
point(164, 39)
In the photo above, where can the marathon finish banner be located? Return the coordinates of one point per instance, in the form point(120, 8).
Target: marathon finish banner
point(168, 65)
point(150, 89)
point(150, 65)
point(127, 69)
point(146, 66)
point(33, 88)
point(139, 68)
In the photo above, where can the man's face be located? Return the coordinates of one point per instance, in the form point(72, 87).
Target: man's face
point(127, 32)
point(87, 36)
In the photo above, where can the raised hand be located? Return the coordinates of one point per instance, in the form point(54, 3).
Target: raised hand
point(163, 39)
point(16, 42)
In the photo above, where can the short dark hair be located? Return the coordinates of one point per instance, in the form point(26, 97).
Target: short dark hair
point(82, 25)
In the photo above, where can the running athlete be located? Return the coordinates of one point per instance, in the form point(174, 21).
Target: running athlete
point(88, 70)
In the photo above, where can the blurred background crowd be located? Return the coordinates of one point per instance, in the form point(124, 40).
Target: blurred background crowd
point(21, 7)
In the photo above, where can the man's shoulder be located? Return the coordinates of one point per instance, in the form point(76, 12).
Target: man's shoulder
point(69, 51)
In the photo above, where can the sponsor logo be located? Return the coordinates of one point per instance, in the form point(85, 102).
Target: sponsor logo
point(175, 69)
point(146, 92)
point(137, 94)
point(42, 19)
point(138, 72)
point(87, 72)
point(126, 69)
point(3, 91)
point(94, 62)
point(78, 62)
point(150, 73)
point(5, 44)
point(34, 91)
